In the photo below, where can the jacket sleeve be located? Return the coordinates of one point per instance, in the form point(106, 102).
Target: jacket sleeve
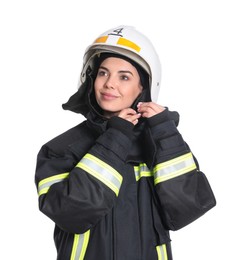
point(183, 190)
point(77, 194)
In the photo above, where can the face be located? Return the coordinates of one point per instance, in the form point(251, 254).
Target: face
point(116, 86)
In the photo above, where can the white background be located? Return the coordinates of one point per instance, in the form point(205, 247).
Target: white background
point(205, 50)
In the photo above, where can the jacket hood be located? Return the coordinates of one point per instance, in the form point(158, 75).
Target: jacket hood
point(81, 101)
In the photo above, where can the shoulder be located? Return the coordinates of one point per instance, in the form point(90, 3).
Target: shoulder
point(65, 140)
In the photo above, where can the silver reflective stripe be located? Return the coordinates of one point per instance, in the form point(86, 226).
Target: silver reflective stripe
point(173, 168)
point(162, 252)
point(102, 171)
point(142, 171)
point(45, 184)
point(80, 246)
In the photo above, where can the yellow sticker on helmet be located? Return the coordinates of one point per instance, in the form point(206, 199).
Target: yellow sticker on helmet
point(102, 39)
point(128, 43)
point(121, 41)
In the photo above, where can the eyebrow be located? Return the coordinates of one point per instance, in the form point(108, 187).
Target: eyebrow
point(120, 71)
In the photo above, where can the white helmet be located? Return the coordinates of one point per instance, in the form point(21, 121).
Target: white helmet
point(127, 41)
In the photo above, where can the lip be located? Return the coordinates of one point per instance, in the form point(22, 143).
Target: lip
point(108, 96)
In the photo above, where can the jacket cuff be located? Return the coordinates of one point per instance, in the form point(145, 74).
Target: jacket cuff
point(122, 125)
point(165, 115)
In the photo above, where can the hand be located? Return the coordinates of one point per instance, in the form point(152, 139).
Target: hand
point(149, 109)
point(130, 115)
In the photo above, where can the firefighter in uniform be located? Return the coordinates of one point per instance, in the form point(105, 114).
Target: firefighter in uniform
point(118, 182)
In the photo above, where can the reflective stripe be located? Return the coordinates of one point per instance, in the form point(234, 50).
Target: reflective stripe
point(124, 42)
point(102, 171)
point(162, 252)
point(142, 171)
point(45, 184)
point(80, 246)
point(173, 168)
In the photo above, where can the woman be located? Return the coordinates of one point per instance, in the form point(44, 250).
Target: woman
point(118, 182)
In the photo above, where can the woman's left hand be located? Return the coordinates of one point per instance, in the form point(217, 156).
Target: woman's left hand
point(149, 109)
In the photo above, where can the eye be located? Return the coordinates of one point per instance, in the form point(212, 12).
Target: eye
point(102, 73)
point(124, 77)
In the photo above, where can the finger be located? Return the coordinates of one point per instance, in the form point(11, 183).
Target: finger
point(148, 113)
point(151, 105)
point(130, 115)
point(149, 109)
point(133, 118)
point(127, 111)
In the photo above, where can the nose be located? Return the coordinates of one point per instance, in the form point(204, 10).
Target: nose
point(111, 82)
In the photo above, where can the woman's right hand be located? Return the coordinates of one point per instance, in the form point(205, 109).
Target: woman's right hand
point(130, 115)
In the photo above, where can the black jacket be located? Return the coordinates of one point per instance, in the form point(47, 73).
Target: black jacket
point(114, 191)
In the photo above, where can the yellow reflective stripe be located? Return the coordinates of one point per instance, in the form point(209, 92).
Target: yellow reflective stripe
point(102, 39)
point(125, 42)
point(46, 183)
point(162, 252)
point(121, 41)
point(173, 168)
point(102, 171)
point(80, 246)
point(142, 171)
